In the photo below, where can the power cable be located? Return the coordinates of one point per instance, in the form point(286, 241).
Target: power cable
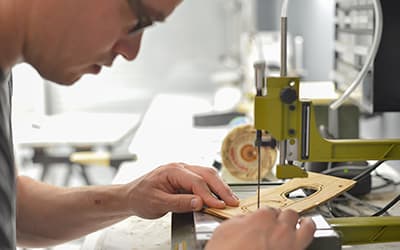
point(388, 206)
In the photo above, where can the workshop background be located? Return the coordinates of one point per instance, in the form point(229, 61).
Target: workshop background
point(201, 49)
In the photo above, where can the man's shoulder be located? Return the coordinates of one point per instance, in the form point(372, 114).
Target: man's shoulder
point(7, 168)
point(2, 77)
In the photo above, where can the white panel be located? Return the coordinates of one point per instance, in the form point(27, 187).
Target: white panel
point(176, 56)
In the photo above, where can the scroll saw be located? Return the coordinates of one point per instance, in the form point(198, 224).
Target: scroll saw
point(290, 120)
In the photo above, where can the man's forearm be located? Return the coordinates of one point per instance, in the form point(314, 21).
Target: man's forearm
point(49, 215)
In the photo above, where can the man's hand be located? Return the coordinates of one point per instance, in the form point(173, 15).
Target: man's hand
point(178, 187)
point(268, 228)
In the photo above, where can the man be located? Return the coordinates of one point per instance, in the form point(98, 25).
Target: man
point(64, 39)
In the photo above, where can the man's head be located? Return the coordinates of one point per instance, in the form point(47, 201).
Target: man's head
point(68, 38)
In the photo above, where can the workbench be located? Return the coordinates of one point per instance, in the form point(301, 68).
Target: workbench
point(52, 138)
point(166, 135)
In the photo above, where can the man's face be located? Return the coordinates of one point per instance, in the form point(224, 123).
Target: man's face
point(69, 38)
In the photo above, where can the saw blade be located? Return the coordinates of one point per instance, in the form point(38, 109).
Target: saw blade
point(240, 157)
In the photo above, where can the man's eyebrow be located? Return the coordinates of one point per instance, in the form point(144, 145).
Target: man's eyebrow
point(156, 15)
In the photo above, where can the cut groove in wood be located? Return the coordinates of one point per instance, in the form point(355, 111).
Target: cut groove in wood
point(326, 187)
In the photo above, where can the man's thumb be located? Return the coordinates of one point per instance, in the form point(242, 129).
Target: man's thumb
point(196, 203)
point(186, 203)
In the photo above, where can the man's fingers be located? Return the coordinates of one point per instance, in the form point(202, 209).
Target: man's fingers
point(268, 214)
point(216, 184)
point(183, 178)
point(180, 203)
point(201, 189)
point(305, 233)
point(289, 217)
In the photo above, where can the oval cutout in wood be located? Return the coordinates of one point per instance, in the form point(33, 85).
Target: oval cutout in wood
point(300, 193)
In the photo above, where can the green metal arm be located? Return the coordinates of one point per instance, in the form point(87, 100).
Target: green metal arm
point(293, 120)
point(364, 230)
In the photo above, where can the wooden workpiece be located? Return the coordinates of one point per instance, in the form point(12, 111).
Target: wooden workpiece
point(325, 187)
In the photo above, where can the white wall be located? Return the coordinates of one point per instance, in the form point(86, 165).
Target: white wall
point(177, 56)
point(180, 55)
point(312, 19)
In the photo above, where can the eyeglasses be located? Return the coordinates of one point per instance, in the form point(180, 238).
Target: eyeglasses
point(144, 19)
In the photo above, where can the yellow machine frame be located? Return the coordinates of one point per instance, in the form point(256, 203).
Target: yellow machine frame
point(291, 120)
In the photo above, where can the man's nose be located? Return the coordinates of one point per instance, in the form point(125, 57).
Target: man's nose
point(128, 47)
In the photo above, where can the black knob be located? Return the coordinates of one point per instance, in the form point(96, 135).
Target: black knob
point(288, 95)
